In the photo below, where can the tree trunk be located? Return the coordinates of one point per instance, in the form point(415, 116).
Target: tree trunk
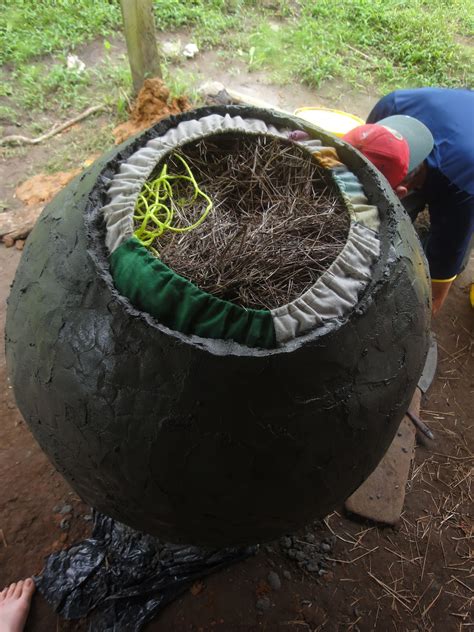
point(142, 50)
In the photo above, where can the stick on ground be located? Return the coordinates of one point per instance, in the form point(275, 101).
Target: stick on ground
point(16, 139)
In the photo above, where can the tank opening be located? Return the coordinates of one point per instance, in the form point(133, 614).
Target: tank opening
point(264, 219)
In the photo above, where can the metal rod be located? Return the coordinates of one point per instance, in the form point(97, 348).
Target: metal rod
point(422, 427)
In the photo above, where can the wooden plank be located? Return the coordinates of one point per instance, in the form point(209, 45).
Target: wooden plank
point(139, 24)
point(380, 498)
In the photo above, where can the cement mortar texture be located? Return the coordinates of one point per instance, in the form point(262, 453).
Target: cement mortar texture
point(205, 441)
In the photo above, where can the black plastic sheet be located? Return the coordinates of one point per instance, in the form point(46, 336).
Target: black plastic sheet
point(124, 577)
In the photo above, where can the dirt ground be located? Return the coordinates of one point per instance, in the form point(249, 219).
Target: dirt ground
point(417, 576)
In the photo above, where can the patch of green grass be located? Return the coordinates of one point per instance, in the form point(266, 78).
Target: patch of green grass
point(30, 28)
point(13, 151)
point(90, 138)
point(113, 78)
point(172, 14)
point(216, 21)
point(44, 86)
point(8, 114)
point(181, 82)
point(387, 42)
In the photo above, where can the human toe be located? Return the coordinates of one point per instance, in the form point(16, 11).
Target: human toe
point(18, 589)
point(29, 586)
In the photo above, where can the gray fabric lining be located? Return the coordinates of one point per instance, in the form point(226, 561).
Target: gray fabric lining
point(337, 290)
point(353, 192)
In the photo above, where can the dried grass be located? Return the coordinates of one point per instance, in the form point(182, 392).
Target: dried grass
point(446, 516)
point(278, 220)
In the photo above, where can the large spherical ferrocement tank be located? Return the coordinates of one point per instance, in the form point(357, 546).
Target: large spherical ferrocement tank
point(198, 440)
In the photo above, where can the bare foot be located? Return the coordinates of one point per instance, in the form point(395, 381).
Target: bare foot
point(15, 603)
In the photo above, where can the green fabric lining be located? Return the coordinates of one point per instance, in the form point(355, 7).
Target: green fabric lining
point(180, 305)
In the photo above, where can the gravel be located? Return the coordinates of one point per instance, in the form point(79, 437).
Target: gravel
point(264, 604)
point(65, 524)
point(292, 553)
point(62, 508)
point(274, 580)
point(309, 550)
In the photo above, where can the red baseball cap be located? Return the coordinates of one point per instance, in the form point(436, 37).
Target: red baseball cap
point(386, 149)
point(395, 145)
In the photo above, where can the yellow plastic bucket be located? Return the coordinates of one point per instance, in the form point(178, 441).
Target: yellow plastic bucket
point(333, 121)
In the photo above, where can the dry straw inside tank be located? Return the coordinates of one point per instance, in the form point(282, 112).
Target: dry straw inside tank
point(277, 220)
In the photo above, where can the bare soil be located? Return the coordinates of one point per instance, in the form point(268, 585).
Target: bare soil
point(417, 576)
